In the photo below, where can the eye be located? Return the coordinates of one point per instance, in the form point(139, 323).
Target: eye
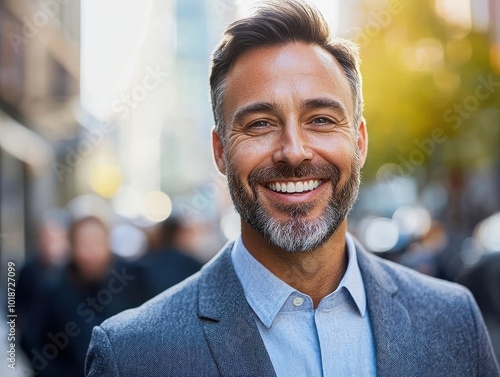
point(259, 124)
point(322, 120)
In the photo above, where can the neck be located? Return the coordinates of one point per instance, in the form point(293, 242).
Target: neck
point(316, 273)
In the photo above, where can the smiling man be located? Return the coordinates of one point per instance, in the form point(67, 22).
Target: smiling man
point(295, 294)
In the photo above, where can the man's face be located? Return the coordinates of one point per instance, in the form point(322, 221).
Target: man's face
point(90, 249)
point(292, 154)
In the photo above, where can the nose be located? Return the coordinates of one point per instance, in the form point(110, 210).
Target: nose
point(293, 146)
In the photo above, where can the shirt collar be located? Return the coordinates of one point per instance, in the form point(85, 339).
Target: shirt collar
point(267, 294)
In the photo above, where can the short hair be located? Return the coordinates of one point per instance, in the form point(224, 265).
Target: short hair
point(277, 23)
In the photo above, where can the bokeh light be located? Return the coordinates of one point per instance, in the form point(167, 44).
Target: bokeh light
point(156, 206)
point(488, 233)
point(381, 234)
point(230, 225)
point(412, 221)
point(105, 179)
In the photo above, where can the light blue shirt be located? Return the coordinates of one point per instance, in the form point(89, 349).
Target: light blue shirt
point(335, 339)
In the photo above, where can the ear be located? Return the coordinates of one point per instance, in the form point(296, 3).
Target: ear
point(362, 141)
point(218, 150)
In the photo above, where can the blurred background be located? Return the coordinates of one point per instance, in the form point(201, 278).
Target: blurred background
point(105, 126)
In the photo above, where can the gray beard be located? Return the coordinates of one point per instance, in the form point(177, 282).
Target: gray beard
point(296, 234)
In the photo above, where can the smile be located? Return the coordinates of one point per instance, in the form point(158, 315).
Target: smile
point(293, 187)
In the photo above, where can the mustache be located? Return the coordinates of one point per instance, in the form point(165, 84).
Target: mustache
point(282, 171)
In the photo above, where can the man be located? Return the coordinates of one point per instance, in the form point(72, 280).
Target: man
point(294, 295)
point(84, 293)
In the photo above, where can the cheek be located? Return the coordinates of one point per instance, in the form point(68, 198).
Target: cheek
point(337, 151)
point(243, 157)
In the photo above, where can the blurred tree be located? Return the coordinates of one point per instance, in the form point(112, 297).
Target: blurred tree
point(432, 100)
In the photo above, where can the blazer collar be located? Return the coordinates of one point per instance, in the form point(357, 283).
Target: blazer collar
point(228, 323)
point(238, 349)
point(392, 329)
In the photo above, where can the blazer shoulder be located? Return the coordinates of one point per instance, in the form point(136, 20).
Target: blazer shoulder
point(177, 308)
point(169, 326)
point(162, 337)
point(175, 304)
point(443, 315)
point(412, 284)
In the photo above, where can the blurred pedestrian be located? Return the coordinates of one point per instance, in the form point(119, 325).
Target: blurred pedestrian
point(94, 286)
point(423, 255)
point(166, 264)
point(40, 269)
point(483, 280)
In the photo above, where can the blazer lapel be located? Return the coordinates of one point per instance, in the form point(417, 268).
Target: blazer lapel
point(390, 319)
point(228, 324)
point(238, 349)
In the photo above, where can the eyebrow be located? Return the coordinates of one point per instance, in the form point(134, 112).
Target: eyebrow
point(322, 103)
point(253, 108)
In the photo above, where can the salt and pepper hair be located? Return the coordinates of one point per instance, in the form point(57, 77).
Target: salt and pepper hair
point(277, 23)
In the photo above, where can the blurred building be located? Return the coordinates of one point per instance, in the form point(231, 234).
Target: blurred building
point(39, 91)
point(486, 18)
point(145, 96)
point(495, 31)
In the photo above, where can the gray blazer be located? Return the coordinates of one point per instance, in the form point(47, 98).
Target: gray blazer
point(204, 327)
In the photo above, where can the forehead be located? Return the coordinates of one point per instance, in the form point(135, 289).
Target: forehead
point(92, 227)
point(294, 71)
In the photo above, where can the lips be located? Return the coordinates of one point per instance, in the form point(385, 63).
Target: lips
point(290, 187)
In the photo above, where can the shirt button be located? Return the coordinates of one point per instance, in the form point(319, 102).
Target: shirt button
point(298, 301)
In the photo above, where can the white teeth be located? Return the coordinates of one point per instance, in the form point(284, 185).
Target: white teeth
point(292, 187)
